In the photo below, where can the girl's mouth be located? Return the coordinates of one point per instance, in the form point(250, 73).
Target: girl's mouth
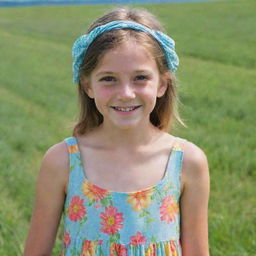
point(126, 109)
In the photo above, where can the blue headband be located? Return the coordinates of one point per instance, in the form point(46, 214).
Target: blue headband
point(82, 43)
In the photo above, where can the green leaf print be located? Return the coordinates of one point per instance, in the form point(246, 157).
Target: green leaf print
point(74, 251)
point(106, 201)
point(76, 161)
point(114, 238)
point(144, 213)
point(150, 220)
point(72, 167)
point(159, 195)
point(65, 212)
point(91, 202)
point(101, 251)
point(153, 239)
point(83, 220)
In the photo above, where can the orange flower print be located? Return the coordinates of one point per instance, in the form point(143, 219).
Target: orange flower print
point(118, 250)
point(112, 220)
point(89, 248)
point(73, 149)
point(140, 200)
point(168, 209)
point(67, 239)
point(138, 239)
point(93, 192)
point(76, 209)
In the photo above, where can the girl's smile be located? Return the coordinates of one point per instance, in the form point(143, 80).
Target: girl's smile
point(125, 85)
point(126, 110)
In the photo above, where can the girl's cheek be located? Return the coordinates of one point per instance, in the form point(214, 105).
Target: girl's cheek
point(148, 91)
point(105, 93)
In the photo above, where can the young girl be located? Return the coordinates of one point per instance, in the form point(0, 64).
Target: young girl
point(124, 184)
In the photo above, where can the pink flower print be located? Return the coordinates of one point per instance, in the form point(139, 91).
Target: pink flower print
point(118, 250)
point(93, 192)
point(138, 239)
point(169, 209)
point(112, 220)
point(67, 239)
point(76, 209)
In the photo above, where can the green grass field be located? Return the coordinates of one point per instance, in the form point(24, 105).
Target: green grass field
point(216, 42)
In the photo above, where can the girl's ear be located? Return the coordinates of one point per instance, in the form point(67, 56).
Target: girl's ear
point(85, 82)
point(163, 84)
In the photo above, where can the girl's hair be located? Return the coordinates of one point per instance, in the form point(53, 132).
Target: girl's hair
point(165, 110)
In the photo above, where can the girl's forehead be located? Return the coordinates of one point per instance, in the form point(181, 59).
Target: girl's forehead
point(128, 55)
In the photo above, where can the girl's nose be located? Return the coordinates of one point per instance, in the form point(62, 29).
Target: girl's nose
point(126, 91)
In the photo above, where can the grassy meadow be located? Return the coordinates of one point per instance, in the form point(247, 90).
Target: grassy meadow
point(216, 42)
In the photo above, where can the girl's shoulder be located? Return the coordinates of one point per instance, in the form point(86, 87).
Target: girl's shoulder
point(189, 147)
point(193, 154)
point(57, 155)
point(195, 163)
point(55, 163)
point(194, 158)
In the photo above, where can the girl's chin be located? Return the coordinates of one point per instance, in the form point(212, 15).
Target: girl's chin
point(128, 125)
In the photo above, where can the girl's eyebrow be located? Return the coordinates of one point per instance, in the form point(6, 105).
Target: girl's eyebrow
point(143, 71)
point(104, 73)
point(111, 73)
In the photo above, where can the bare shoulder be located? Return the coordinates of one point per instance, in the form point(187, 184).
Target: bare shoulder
point(194, 201)
point(195, 164)
point(49, 201)
point(55, 164)
point(57, 155)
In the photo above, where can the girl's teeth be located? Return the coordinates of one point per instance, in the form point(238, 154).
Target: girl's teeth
point(125, 109)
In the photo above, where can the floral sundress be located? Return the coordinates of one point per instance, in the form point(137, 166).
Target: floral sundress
point(107, 223)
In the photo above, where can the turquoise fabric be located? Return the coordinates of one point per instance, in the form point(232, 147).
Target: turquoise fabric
point(103, 222)
point(83, 42)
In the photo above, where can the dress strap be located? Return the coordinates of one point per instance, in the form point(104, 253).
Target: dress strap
point(72, 145)
point(174, 167)
point(74, 153)
point(75, 166)
point(179, 144)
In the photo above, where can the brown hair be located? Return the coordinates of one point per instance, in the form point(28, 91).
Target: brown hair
point(165, 110)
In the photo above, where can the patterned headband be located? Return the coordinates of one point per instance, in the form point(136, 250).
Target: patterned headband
point(82, 43)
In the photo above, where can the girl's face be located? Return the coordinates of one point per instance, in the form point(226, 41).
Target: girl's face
point(125, 85)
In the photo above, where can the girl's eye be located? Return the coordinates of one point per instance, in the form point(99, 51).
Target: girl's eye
point(141, 77)
point(107, 79)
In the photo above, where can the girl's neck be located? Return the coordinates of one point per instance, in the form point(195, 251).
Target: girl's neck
point(128, 139)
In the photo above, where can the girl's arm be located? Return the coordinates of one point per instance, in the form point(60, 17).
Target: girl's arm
point(50, 195)
point(194, 202)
